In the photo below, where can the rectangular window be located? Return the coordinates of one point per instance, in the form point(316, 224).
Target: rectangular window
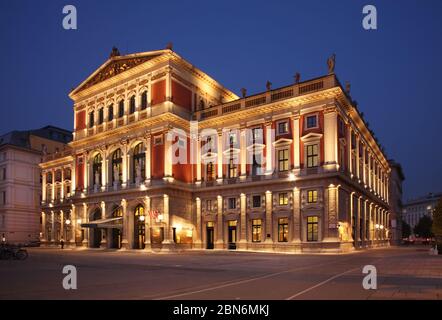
point(3, 174)
point(100, 116)
point(312, 156)
point(312, 228)
point(121, 109)
point(312, 196)
point(233, 170)
point(232, 203)
point(256, 230)
point(91, 119)
point(256, 201)
point(283, 127)
point(210, 171)
point(157, 140)
point(283, 229)
point(283, 160)
point(257, 135)
point(209, 205)
point(283, 199)
point(312, 122)
point(3, 197)
point(110, 113)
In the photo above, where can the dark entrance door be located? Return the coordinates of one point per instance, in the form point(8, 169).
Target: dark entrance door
point(232, 235)
point(96, 233)
point(210, 235)
point(116, 238)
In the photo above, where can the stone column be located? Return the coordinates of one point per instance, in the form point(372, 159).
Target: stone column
point(330, 139)
point(219, 151)
point(243, 232)
point(296, 232)
point(43, 187)
point(62, 185)
point(296, 147)
point(104, 163)
point(219, 243)
point(73, 225)
point(198, 231)
point(269, 148)
point(243, 153)
point(168, 154)
point(103, 240)
point(364, 174)
point(53, 186)
point(147, 156)
point(358, 173)
point(52, 226)
point(125, 162)
point(86, 172)
point(62, 217)
point(167, 244)
point(147, 224)
point(269, 217)
point(349, 151)
point(43, 227)
point(330, 224)
point(358, 222)
point(125, 236)
point(86, 230)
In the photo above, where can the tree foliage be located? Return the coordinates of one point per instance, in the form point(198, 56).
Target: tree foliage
point(406, 229)
point(423, 227)
point(437, 221)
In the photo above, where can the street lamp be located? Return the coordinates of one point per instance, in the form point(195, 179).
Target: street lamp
point(142, 218)
point(68, 222)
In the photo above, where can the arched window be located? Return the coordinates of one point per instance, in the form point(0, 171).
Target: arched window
point(139, 163)
point(132, 105)
point(91, 119)
point(139, 227)
point(96, 170)
point(121, 108)
point(144, 100)
point(110, 112)
point(117, 167)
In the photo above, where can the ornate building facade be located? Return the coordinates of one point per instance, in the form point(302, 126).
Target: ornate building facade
point(164, 157)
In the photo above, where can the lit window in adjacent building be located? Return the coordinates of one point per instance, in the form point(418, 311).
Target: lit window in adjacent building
point(132, 105)
point(312, 156)
point(283, 127)
point(312, 228)
point(110, 112)
point(283, 199)
point(312, 196)
point(312, 122)
point(100, 116)
point(121, 108)
point(283, 160)
point(232, 203)
point(210, 171)
point(256, 230)
point(233, 169)
point(256, 201)
point(91, 119)
point(283, 229)
point(144, 100)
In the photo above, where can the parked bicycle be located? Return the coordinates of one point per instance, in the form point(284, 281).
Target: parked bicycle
point(8, 252)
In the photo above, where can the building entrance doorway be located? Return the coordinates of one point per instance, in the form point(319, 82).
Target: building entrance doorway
point(232, 235)
point(96, 232)
point(210, 235)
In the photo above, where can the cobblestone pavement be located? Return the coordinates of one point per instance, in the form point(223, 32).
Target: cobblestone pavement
point(402, 273)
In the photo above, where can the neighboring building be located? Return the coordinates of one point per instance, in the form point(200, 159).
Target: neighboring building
point(396, 179)
point(288, 169)
point(20, 180)
point(415, 209)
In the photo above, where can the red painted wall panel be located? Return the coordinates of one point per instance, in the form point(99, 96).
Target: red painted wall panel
point(80, 122)
point(157, 162)
point(158, 92)
point(79, 174)
point(181, 95)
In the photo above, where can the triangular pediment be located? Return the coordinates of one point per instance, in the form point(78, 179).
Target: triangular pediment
point(116, 65)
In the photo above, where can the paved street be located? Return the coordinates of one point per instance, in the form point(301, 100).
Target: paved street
point(404, 273)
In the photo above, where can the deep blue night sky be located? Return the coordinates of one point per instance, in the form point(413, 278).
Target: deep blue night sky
point(394, 71)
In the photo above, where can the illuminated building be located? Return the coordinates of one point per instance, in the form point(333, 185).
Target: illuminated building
point(289, 169)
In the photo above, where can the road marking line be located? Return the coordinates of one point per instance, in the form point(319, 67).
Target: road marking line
point(243, 281)
point(321, 283)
